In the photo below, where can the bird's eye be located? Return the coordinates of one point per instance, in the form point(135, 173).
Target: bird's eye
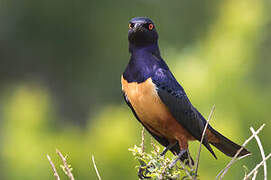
point(131, 25)
point(151, 26)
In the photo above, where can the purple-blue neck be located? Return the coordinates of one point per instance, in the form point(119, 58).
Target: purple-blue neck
point(150, 48)
point(143, 62)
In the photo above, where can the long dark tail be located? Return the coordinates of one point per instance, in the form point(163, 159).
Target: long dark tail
point(227, 146)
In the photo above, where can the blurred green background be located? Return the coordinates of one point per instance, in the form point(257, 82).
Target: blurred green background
point(60, 68)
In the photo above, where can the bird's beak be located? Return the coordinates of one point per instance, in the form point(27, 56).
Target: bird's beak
point(138, 28)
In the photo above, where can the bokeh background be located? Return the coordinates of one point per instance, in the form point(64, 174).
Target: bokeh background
point(60, 68)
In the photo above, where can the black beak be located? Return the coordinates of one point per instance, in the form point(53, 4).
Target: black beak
point(138, 28)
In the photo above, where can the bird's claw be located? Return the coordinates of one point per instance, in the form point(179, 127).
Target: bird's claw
point(167, 148)
point(172, 164)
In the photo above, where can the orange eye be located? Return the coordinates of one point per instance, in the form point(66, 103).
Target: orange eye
point(131, 25)
point(151, 26)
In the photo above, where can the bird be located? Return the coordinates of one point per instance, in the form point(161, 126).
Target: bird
point(160, 103)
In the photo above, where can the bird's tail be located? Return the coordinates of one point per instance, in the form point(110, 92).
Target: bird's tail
point(227, 146)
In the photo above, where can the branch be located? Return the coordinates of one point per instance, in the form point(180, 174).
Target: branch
point(53, 167)
point(256, 168)
point(234, 159)
point(97, 172)
point(143, 139)
point(254, 175)
point(262, 152)
point(66, 166)
point(186, 171)
point(202, 137)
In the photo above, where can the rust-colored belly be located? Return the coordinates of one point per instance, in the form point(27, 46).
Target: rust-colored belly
point(152, 112)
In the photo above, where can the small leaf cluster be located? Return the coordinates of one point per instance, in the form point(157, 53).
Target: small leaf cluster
point(153, 165)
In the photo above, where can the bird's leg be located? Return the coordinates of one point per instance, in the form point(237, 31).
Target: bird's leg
point(178, 158)
point(167, 148)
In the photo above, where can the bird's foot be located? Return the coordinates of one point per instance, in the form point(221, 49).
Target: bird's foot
point(167, 148)
point(177, 159)
point(164, 151)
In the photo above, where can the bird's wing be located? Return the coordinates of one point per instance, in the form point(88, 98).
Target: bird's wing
point(174, 97)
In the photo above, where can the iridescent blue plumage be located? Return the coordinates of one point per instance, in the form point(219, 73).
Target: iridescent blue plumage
point(150, 88)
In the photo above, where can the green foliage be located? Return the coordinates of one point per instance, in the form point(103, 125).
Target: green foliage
point(157, 167)
point(152, 165)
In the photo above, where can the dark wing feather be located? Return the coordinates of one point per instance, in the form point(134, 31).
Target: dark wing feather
point(174, 97)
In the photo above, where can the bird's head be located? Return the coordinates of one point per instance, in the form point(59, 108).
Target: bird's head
point(142, 31)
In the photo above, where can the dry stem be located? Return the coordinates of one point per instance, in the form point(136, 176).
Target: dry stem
point(143, 139)
point(234, 159)
point(202, 137)
point(66, 166)
point(262, 153)
point(53, 167)
point(97, 172)
point(258, 165)
point(254, 175)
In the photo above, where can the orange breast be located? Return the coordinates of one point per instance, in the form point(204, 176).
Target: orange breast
point(151, 110)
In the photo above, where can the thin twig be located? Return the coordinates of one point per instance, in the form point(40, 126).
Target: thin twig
point(234, 159)
point(259, 165)
point(262, 153)
point(239, 158)
point(186, 171)
point(53, 167)
point(95, 167)
point(66, 166)
point(142, 139)
point(254, 175)
point(202, 137)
